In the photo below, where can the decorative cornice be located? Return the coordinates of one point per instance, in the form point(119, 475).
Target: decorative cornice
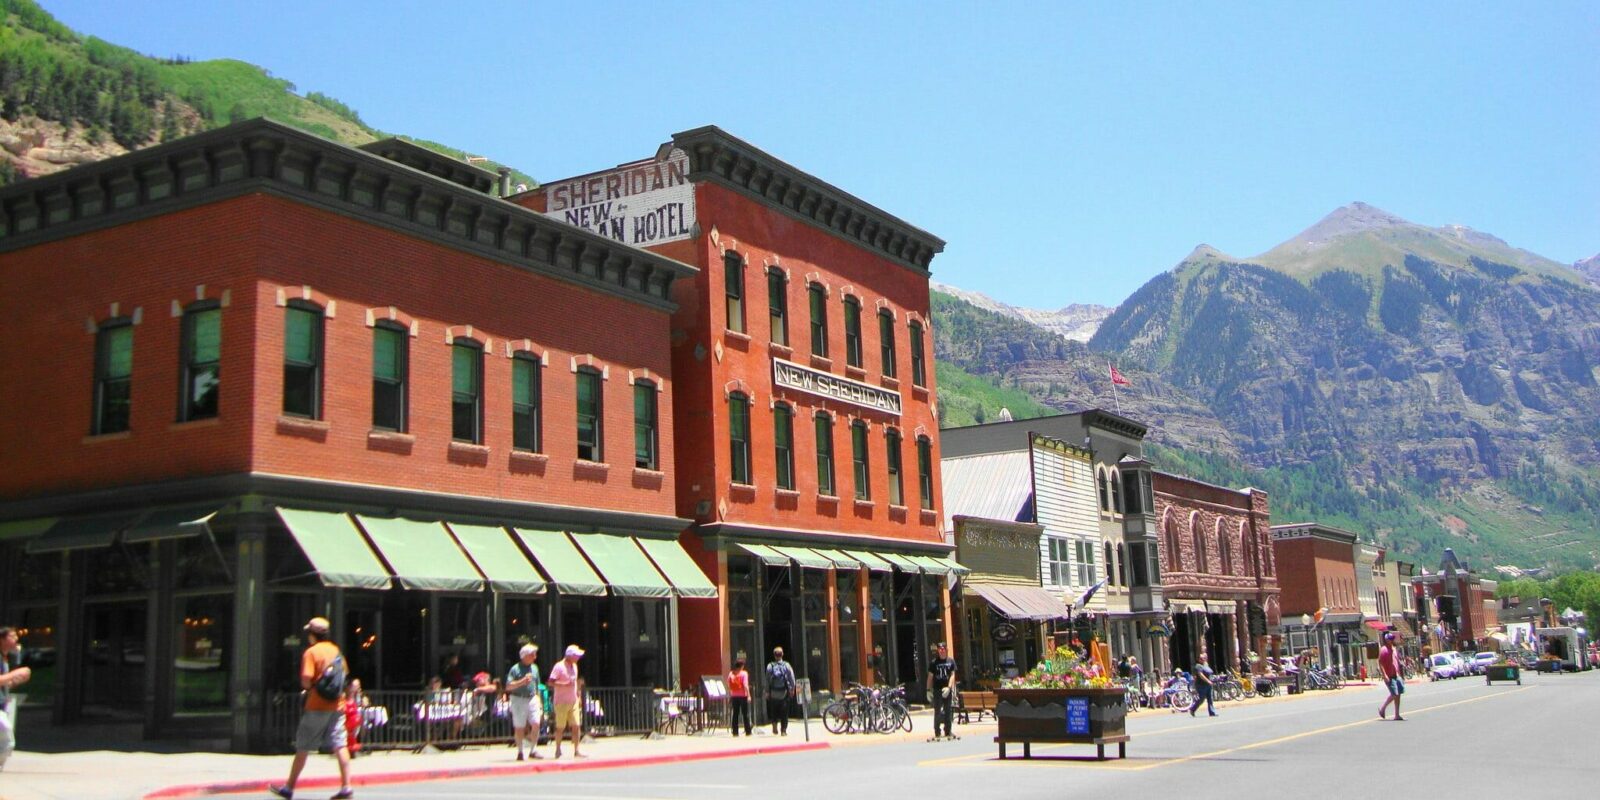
point(422, 159)
point(1101, 418)
point(716, 156)
point(261, 156)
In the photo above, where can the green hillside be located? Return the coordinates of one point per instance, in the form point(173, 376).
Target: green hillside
point(967, 399)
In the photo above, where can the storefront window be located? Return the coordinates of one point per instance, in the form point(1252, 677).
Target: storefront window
point(204, 561)
point(519, 625)
point(114, 570)
point(879, 588)
point(742, 611)
point(36, 628)
point(36, 576)
point(200, 661)
point(461, 631)
point(815, 604)
point(848, 582)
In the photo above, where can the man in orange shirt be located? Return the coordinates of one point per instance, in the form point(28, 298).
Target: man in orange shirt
point(322, 722)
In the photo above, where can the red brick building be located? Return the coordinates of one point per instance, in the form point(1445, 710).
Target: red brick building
point(1321, 596)
point(253, 375)
point(803, 389)
point(1461, 605)
point(1218, 570)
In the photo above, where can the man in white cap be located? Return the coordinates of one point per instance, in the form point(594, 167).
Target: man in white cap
point(522, 684)
point(322, 722)
point(566, 689)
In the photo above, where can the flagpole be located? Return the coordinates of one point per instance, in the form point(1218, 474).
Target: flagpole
point(1115, 400)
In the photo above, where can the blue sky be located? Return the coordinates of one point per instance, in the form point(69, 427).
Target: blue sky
point(1066, 152)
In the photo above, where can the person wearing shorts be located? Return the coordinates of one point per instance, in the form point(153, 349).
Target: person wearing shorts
point(1389, 665)
point(522, 685)
point(566, 691)
point(322, 721)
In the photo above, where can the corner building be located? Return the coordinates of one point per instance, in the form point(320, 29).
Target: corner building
point(807, 438)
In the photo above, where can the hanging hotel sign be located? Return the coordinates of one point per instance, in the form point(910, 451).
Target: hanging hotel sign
point(790, 375)
point(642, 204)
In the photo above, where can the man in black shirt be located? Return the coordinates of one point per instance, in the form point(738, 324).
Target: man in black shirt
point(942, 688)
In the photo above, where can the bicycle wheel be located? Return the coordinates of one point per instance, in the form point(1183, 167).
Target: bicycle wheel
point(905, 717)
point(887, 719)
point(1338, 680)
point(836, 717)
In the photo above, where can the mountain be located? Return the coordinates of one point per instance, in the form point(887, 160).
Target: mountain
point(1589, 268)
point(1433, 385)
point(1077, 321)
point(67, 99)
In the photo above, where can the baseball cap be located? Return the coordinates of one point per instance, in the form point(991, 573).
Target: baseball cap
point(574, 651)
point(318, 626)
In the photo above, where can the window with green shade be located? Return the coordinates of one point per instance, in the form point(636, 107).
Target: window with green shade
point(591, 406)
point(739, 437)
point(825, 482)
point(113, 377)
point(891, 441)
point(466, 391)
point(302, 360)
point(886, 341)
point(819, 319)
point(733, 283)
point(919, 369)
point(858, 453)
point(778, 305)
point(391, 345)
point(201, 362)
point(783, 444)
point(852, 332)
point(644, 425)
point(925, 471)
point(526, 399)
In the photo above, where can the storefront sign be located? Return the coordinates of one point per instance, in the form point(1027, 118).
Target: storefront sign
point(642, 204)
point(1004, 633)
point(790, 375)
point(1342, 637)
point(1077, 716)
point(998, 552)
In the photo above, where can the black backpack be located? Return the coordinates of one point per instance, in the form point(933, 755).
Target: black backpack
point(330, 684)
point(778, 678)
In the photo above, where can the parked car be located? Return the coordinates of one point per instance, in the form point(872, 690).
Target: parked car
point(1445, 665)
point(1482, 660)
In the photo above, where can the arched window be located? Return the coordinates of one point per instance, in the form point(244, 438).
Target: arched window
point(824, 428)
point(783, 444)
point(113, 376)
point(1224, 547)
point(739, 437)
point(1116, 490)
point(1201, 557)
point(852, 332)
point(1169, 532)
point(925, 471)
point(1105, 489)
point(1122, 565)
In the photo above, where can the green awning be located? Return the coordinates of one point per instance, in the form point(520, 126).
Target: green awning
point(929, 565)
point(25, 528)
point(768, 556)
point(81, 533)
point(839, 559)
point(685, 576)
point(905, 564)
point(561, 562)
point(422, 554)
point(870, 561)
point(336, 549)
point(172, 523)
point(624, 566)
point(805, 557)
point(954, 566)
point(498, 558)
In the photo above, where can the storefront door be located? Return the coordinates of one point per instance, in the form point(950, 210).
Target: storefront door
point(114, 661)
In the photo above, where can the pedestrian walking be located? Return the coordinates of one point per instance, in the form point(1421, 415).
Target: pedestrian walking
point(354, 704)
point(522, 685)
point(942, 688)
point(1389, 665)
point(780, 692)
point(322, 680)
point(567, 696)
point(739, 697)
point(1202, 688)
point(10, 676)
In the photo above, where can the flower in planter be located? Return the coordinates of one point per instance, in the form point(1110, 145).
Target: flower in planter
point(1064, 670)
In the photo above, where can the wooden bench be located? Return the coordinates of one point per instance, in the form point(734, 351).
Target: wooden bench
point(1099, 744)
point(975, 704)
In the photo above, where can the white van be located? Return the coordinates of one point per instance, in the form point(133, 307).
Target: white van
point(1448, 664)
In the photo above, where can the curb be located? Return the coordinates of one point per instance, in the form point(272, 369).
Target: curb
point(459, 773)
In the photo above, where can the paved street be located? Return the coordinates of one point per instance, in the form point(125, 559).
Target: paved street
point(1459, 733)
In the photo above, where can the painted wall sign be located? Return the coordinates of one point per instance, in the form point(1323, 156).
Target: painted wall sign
point(790, 375)
point(644, 203)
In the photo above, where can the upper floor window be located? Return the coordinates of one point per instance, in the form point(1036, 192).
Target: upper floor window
point(391, 346)
point(302, 360)
point(202, 362)
point(739, 437)
point(1122, 565)
point(591, 441)
point(886, 341)
point(819, 319)
point(919, 369)
point(783, 444)
point(113, 377)
point(1111, 575)
point(1104, 483)
point(858, 453)
point(1116, 490)
point(1085, 562)
point(644, 425)
point(778, 305)
point(891, 440)
point(1201, 557)
point(733, 271)
point(527, 397)
point(1133, 485)
point(925, 470)
point(825, 478)
point(466, 391)
point(852, 332)
point(1224, 548)
point(1139, 563)
point(1060, 561)
point(1170, 531)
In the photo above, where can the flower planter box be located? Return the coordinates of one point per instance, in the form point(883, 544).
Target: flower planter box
point(1026, 716)
point(1502, 672)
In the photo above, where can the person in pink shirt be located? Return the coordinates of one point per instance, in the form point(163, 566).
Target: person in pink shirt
point(1389, 665)
point(739, 696)
point(566, 687)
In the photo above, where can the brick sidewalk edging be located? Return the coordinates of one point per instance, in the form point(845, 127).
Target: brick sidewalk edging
point(457, 773)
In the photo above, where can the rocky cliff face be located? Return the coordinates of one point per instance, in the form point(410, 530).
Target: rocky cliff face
point(1077, 321)
point(32, 147)
point(1589, 268)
